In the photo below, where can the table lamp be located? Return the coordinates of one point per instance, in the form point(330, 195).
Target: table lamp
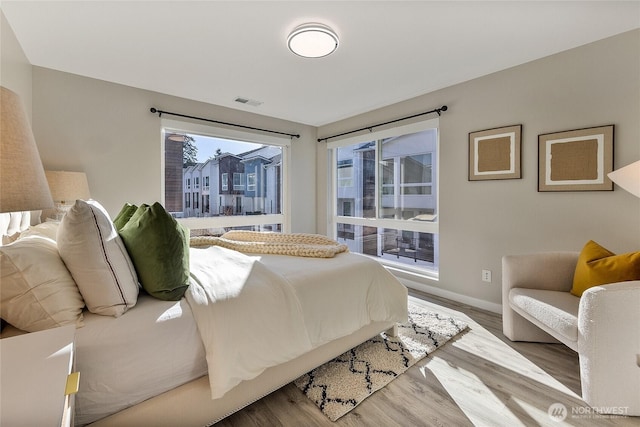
point(66, 187)
point(23, 186)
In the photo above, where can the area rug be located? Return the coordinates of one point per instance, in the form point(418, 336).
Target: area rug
point(343, 383)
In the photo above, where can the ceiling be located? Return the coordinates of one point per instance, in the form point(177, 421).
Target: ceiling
point(216, 51)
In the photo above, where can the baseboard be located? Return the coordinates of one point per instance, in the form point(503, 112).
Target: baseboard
point(464, 299)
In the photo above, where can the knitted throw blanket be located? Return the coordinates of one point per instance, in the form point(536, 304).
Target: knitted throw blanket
point(256, 242)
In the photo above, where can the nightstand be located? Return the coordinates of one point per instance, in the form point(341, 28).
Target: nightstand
point(36, 379)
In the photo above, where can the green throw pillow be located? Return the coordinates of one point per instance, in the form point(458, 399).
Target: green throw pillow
point(124, 215)
point(159, 249)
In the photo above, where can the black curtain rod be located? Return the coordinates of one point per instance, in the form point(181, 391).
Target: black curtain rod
point(160, 113)
point(370, 128)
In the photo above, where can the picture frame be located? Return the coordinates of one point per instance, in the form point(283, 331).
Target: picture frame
point(495, 153)
point(576, 160)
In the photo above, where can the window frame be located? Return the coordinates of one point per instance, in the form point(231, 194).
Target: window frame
point(345, 181)
point(251, 181)
point(240, 185)
point(430, 227)
point(284, 217)
point(224, 181)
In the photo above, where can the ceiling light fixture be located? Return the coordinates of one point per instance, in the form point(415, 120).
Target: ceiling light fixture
point(312, 40)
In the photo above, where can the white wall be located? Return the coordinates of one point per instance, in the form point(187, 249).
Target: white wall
point(593, 85)
point(107, 131)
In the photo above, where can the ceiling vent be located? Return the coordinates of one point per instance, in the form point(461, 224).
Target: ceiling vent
point(247, 101)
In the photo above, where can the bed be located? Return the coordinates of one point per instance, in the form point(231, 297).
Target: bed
point(174, 363)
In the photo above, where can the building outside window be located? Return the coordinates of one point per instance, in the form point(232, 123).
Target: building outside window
point(244, 180)
point(385, 193)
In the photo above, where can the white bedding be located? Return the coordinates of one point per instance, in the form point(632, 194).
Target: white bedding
point(156, 346)
point(288, 306)
point(122, 361)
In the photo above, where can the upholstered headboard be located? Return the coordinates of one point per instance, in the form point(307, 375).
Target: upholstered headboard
point(12, 223)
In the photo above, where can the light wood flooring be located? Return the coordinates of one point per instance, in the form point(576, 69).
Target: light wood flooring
point(478, 379)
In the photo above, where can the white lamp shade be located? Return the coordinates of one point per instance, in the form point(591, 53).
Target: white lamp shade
point(628, 178)
point(23, 185)
point(67, 187)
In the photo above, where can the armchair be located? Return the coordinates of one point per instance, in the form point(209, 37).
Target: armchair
point(602, 326)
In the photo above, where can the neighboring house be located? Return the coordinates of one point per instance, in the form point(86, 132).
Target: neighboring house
point(209, 192)
point(234, 184)
point(257, 179)
point(231, 187)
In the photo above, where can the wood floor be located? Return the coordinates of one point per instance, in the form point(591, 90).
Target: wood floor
point(478, 379)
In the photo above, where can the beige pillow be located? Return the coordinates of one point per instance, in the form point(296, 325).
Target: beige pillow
point(97, 259)
point(37, 290)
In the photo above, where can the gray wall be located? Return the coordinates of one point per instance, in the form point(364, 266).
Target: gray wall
point(15, 69)
point(593, 85)
point(107, 131)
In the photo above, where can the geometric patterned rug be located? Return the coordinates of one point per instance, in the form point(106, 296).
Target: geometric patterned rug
point(341, 384)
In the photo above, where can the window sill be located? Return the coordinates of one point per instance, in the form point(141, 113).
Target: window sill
point(418, 274)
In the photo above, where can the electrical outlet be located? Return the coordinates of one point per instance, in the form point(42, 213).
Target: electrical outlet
point(486, 276)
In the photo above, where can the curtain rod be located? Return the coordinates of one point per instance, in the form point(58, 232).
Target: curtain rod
point(160, 113)
point(370, 128)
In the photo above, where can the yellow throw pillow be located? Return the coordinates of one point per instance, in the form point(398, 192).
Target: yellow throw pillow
point(599, 266)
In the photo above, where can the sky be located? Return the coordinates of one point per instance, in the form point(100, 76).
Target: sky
point(207, 146)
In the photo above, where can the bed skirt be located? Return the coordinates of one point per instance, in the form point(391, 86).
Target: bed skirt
point(191, 403)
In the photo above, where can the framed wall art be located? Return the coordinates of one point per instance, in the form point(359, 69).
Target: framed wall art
point(576, 160)
point(495, 153)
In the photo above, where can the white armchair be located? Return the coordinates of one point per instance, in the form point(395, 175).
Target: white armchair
point(603, 325)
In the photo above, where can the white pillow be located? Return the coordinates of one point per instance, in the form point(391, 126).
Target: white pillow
point(48, 229)
point(95, 255)
point(37, 290)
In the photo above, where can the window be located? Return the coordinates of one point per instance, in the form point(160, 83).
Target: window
point(416, 174)
point(251, 181)
point(212, 178)
point(385, 195)
point(345, 173)
point(238, 181)
point(225, 182)
point(346, 208)
point(205, 203)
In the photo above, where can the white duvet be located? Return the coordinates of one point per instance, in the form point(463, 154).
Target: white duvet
point(254, 312)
